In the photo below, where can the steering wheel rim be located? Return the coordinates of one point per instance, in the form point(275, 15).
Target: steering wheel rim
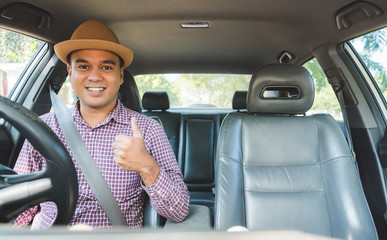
point(58, 182)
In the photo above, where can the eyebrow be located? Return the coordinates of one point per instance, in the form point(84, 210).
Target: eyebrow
point(109, 62)
point(80, 60)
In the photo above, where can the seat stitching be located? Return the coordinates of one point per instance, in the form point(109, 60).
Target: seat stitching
point(243, 171)
point(263, 191)
point(302, 165)
point(322, 175)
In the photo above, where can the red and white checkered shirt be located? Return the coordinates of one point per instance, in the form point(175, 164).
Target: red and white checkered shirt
point(168, 195)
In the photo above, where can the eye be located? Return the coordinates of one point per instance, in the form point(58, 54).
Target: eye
point(82, 67)
point(107, 68)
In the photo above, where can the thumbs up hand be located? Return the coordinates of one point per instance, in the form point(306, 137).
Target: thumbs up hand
point(130, 154)
point(136, 130)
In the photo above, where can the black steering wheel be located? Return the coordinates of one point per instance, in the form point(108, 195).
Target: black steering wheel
point(58, 182)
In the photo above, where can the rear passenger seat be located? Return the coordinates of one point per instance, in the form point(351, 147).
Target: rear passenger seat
point(239, 101)
point(197, 144)
point(193, 139)
point(156, 103)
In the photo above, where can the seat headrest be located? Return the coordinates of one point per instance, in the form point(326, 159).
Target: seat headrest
point(155, 100)
point(239, 100)
point(280, 88)
point(128, 93)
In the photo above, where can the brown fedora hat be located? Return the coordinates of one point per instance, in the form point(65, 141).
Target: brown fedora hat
point(93, 34)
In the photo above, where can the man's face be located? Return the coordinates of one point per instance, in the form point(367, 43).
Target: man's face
point(95, 76)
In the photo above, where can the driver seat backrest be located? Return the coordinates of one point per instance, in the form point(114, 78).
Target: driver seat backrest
point(128, 93)
point(277, 169)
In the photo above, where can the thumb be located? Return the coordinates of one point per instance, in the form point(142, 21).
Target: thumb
point(136, 129)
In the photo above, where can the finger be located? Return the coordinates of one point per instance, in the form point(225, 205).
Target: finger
point(118, 143)
point(120, 139)
point(117, 160)
point(136, 129)
point(116, 152)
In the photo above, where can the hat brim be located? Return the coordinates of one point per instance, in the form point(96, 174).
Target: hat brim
point(63, 49)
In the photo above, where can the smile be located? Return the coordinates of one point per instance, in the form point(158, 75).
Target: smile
point(95, 89)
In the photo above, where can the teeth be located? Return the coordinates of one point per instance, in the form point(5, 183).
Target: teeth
point(95, 89)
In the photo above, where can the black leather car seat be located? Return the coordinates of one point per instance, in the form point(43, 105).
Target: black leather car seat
point(128, 93)
point(193, 139)
point(156, 104)
point(239, 101)
point(277, 169)
point(197, 144)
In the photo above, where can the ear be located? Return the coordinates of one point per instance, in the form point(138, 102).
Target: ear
point(121, 75)
point(69, 70)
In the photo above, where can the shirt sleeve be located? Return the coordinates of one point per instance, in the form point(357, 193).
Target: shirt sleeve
point(29, 161)
point(169, 194)
point(26, 217)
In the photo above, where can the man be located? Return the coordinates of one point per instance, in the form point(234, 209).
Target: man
point(131, 150)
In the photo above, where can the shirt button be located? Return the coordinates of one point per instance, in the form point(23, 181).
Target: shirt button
point(152, 194)
point(90, 133)
point(83, 187)
point(171, 209)
point(159, 192)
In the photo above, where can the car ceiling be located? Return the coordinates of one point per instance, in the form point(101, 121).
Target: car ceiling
point(242, 34)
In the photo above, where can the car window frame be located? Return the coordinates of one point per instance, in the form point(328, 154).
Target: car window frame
point(368, 79)
point(22, 81)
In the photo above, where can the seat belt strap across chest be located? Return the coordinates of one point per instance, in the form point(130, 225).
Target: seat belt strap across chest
point(90, 170)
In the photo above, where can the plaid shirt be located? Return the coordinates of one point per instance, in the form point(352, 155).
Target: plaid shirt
point(168, 195)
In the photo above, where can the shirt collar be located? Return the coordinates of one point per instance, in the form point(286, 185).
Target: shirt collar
point(119, 114)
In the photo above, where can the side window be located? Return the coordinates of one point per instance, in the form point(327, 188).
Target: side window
point(16, 51)
point(66, 94)
point(325, 100)
point(372, 49)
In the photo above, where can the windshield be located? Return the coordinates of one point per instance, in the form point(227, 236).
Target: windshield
point(195, 90)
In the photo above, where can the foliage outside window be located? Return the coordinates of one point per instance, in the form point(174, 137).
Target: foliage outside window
point(16, 50)
point(372, 48)
point(186, 90)
point(325, 100)
point(216, 90)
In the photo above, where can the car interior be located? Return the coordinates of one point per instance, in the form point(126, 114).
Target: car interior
point(264, 165)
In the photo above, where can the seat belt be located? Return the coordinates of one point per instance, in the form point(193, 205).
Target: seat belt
point(340, 97)
point(90, 170)
point(336, 82)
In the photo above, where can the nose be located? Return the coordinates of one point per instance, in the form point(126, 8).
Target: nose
point(94, 75)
